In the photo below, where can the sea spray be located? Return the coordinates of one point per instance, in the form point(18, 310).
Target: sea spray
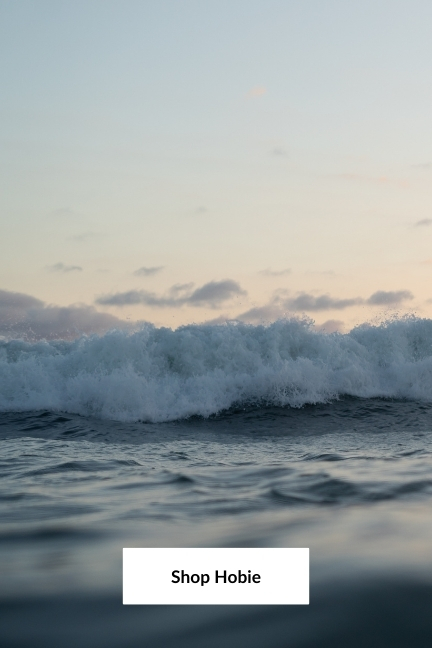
point(159, 374)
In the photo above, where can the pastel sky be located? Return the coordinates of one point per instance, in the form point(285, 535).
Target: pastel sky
point(195, 161)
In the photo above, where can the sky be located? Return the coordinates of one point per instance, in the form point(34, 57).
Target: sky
point(189, 162)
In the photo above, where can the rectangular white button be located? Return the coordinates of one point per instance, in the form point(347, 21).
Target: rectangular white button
point(207, 576)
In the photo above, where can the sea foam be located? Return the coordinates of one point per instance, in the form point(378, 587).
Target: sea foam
point(157, 374)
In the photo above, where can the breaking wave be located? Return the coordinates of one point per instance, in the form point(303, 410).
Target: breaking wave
point(157, 374)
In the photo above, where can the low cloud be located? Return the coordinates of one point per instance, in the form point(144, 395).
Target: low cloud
point(17, 301)
point(262, 314)
point(331, 326)
point(310, 303)
point(424, 222)
point(148, 271)
point(85, 236)
point(24, 316)
point(220, 319)
point(271, 313)
point(177, 289)
point(390, 298)
point(131, 298)
point(268, 272)
point(61, 267)
point(278, 151)
point(211, 294)
point(216, 292)
point(281, 306)
point(256, 315)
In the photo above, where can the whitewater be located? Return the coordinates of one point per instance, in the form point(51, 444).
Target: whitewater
point(159, 374)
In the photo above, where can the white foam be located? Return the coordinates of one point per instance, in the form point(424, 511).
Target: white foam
point(157, 374)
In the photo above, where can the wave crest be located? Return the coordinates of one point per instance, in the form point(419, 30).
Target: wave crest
point(157, 374)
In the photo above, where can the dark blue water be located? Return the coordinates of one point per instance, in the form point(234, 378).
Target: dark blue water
point(351, 479)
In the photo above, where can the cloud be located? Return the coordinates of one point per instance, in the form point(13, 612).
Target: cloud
point(256, 91)
point(85, 236)
point(428, 165)
point(131, 298)
point(307, 302)
point(271, 313)
point(262, 314)
point(310, 303)
point(268, 272)
point(425, 222)
point(19, 301)
point(212, 294)
point(331, 326)
point(61, 267)
point(216, 292)
point(383, 298)
point(220, 319)
point(201, 210)
point(278, 151)
point(148, 271)
point(24, 316)
point(281, 305)
point(181, 288)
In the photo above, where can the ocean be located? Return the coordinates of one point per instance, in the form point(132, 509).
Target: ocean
point(218, 436)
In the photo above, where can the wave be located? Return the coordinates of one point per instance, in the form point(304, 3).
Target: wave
point(159, 374)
